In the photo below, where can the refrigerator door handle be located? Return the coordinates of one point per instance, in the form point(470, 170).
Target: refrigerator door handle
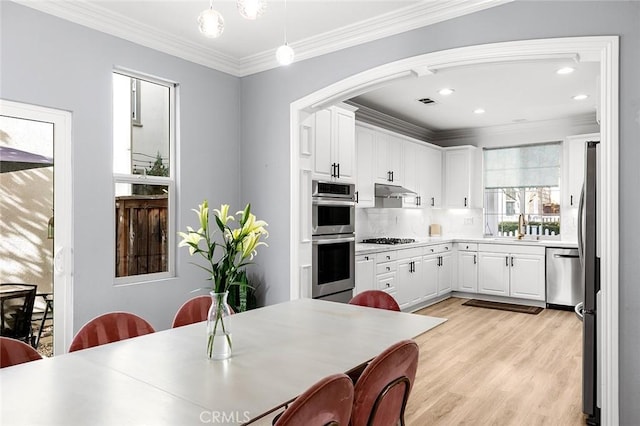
point(579, 310)
point(580, 230)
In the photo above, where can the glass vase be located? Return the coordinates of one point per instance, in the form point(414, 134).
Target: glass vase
point(218, 332)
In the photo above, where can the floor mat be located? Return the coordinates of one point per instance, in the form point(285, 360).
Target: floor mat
point(504, 306)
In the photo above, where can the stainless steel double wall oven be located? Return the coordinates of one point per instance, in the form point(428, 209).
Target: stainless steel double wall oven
point(333, 231)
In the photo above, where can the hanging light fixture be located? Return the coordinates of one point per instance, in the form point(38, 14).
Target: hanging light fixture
point(285, 54)
point(251, 9)
point(211, 22)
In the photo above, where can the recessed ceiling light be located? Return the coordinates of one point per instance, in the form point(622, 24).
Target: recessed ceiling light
point(580, 97)
point(446, 91)
point(565, 70)
point(478, 111)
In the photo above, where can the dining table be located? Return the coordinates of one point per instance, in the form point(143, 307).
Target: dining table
point(166, 378)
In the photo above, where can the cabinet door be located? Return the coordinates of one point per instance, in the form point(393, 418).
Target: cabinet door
point(394, 153)
point(432, 169)
point(322, 163)
point(445, 273)
point(493, 273)
point(411, 173)
point(364, 169)
point(468, 271)
point(344, 146)
point(403, 284)
point(429, 276)
point(527, 276)
point(388, 158)
point(365, 273)
point(457, 178)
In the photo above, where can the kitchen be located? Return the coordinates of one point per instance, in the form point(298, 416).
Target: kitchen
point(400, 245)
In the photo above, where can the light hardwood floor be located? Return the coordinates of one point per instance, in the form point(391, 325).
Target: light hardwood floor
point(490, 367)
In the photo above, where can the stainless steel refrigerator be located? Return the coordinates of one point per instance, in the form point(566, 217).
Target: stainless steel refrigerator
point(588, 246)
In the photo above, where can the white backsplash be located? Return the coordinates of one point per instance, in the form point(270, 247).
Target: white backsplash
point(414, 223)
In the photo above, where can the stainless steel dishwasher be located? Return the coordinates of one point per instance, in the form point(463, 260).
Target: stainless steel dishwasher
point(564, 278)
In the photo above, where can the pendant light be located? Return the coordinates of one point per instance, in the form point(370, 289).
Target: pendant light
point(211, 22)
point(251, 9)
point(285, 54)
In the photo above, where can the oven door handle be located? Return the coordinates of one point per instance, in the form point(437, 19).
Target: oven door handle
point(332, 202)
point(333, 239)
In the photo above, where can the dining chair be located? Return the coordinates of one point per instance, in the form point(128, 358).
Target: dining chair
point(382, 390)
point(42, 312)
point(327, 402)
point(376, 299)
point(108, 328)
point(193, 310)
point(16, 309)
point(14, 352)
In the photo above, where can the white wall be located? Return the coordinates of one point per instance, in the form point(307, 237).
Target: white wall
point(69, 67)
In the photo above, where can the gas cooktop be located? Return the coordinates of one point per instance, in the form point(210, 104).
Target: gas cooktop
point(389, 240)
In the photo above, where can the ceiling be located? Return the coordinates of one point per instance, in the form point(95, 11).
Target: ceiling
point(512, 92)
point(508, 92)
point(314, 27)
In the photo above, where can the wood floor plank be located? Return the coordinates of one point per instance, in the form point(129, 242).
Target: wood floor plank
point(491, 367)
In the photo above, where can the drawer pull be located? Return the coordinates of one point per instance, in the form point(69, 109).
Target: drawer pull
point(388, 268)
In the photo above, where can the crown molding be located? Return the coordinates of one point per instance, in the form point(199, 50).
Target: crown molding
point(575, 121)
point(91, 15)
point(393, 124)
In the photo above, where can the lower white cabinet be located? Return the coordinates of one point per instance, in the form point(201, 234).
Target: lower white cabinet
point(467, 268)
point(365, 273)
point(410, 279)
point(438, 264)
point(514, 271)
point(386, 269)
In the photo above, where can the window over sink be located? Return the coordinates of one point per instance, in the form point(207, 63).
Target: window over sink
point(522, 180)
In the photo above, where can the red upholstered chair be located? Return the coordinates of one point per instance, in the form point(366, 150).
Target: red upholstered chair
point(108, 328)
point(328, 402)
point(193, 310)
point(375, 299)
point(13, 352)
point(382, 390)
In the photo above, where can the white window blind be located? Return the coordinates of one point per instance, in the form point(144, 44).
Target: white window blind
point(528, 166)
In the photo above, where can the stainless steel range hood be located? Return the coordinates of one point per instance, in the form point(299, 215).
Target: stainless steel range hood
point(391, 196)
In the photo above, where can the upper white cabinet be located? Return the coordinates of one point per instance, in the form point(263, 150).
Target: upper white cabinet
point(414, 177)
point(573, 152)
point(432, 169)
point(388, 158)
point(460, 181)
point(364, 170)
point(334, 151)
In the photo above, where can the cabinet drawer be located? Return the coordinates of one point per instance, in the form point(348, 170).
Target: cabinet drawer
point(409, 253)
point(365, 257)
point(386, 267)
point(387, 282)
point(438, 248)
point(467, 246)
point(386, 256)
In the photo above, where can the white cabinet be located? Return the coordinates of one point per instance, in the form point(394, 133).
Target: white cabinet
point(467, 267)
point(334, 144)
point(388, 158)
point(386, 269)
point(573, 160)
point(364, 170)
point(413, 174)
point(509, 270)
point(438, 264)
point(460, 181)
point(365, 273)
point(432, 180)
point(410, 279)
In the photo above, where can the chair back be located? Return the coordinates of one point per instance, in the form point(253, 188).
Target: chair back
point(16, 308)
point(194, 310)
point(14, 352)
point(108, 328)
point(376, 299)
point(327, 402)
point(382, 390)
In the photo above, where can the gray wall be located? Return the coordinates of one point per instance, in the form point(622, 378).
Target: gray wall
point(51, 62)
point(265, 99)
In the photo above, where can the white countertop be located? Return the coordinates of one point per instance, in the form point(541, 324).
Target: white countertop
point(362, 248)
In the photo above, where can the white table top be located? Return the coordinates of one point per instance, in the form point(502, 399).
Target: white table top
point(273, 349)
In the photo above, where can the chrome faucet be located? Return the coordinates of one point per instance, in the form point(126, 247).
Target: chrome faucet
point(521, 226)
